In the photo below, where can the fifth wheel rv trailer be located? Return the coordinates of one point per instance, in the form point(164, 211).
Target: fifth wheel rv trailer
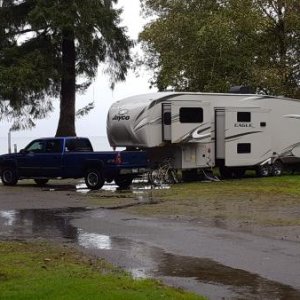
point(234, 132)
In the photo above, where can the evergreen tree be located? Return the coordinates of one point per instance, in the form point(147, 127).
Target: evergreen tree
point(48, 45)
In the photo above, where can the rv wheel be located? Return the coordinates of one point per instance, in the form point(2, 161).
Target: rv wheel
point(277, 168)
point(263, 171)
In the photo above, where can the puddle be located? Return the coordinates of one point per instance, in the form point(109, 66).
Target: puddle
point(80, 187)
point(203, 276)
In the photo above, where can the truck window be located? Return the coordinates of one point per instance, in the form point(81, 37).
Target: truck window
point(78, 145)
point(35, 146)
point(191, 115)
point(53, 146)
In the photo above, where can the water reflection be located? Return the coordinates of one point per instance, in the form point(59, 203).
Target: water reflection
point(8, 216)
point(93, 240)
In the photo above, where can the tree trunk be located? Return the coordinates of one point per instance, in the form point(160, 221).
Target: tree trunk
point(66, 125)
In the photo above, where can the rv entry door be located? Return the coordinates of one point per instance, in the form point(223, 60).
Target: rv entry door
point(166, 122)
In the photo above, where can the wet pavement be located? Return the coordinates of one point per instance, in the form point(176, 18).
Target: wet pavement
point(149, 248)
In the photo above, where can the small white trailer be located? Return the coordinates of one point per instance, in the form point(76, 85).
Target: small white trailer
point(234, 132)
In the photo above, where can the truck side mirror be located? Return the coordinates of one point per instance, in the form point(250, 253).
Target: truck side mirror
point(23, 151)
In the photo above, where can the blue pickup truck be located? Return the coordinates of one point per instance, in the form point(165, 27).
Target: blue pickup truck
point(71, 157)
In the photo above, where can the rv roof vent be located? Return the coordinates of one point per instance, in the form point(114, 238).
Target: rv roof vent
point(241, 89)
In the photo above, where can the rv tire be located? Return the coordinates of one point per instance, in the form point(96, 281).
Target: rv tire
point(263, 170)
point(277, 168)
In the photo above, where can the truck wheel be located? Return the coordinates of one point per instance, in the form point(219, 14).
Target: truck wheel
point(9, 176)
point(123, 181)
point(263, 171)
point(41, 182)
point(94, 179)
point(277, 168)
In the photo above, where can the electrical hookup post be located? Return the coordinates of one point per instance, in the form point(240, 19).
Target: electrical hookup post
point(9, 141)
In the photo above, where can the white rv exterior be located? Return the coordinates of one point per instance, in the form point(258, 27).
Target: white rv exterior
point(202, 130)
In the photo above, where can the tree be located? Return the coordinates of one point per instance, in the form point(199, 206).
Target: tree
point(49, 45)
point(211, 45)
point(278, 63)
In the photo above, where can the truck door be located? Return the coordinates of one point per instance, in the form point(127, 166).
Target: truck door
point(247, 136)
point(191, 122)
point(41, 158)
point(29, 161)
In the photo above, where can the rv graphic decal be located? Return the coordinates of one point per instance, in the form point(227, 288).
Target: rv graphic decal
point(122, 116)
point(195, 135)
point(292, 116)
point(289, 150)
point(244, 125)
point(241, 134)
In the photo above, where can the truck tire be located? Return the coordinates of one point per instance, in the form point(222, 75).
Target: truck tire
point(277, 168)
point(123, 181)
point(94, 179)
point(41, 182)
point(263, 171)
point(9, 176)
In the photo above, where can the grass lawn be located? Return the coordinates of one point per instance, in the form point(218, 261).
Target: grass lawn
point(41, 271)
point(272, 201)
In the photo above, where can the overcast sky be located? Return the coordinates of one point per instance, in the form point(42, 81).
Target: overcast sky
point(94, 124)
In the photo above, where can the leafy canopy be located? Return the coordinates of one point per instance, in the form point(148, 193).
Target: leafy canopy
point(210, 45)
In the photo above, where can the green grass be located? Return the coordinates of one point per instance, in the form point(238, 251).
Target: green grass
point(37, 271)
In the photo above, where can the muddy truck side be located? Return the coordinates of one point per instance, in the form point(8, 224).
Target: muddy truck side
point(71, 157)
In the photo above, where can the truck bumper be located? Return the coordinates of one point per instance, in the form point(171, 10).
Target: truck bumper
point(134, 171)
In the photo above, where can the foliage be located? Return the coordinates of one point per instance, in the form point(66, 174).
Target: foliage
point(46, 44)
point(211, 45)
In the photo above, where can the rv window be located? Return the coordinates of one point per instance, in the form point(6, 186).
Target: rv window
point(167, 118)
point(244, 148)
point(191, 115)
point(243, 116)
